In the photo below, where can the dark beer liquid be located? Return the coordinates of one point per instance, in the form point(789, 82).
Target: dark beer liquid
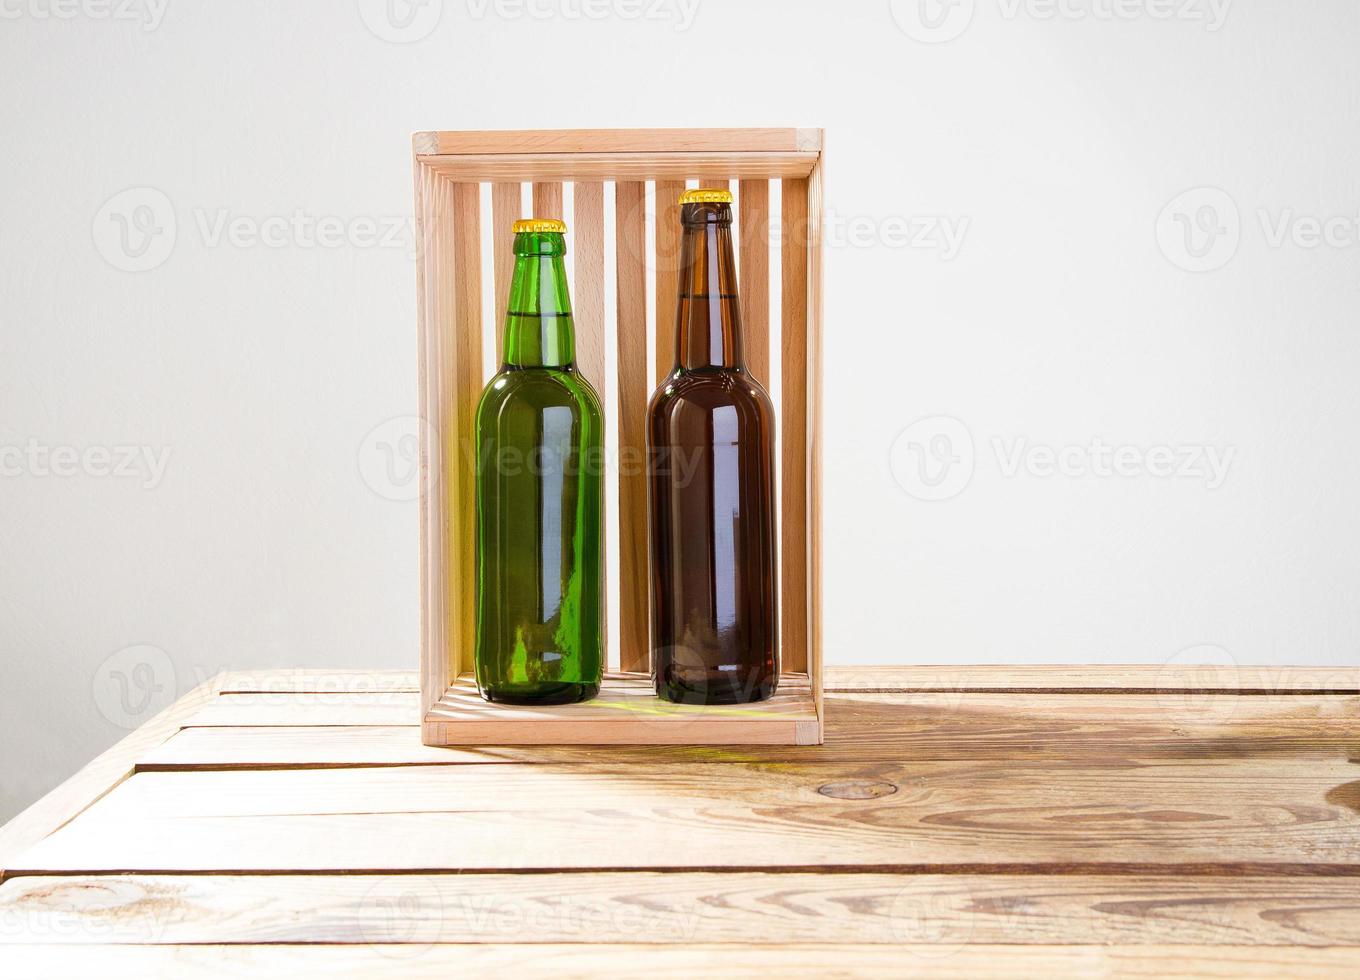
point(710, 433)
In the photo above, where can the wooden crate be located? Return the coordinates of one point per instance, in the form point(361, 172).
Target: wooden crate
point(609, 172)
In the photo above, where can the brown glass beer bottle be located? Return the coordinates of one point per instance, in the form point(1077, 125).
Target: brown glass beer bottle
point(710, 440)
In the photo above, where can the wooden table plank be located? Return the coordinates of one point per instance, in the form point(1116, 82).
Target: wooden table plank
point(671, 908)
point(308, 708)
point(1236, 814)
point(753, 960)
point(1128, 821)
point(868, 727)
point(99, 776)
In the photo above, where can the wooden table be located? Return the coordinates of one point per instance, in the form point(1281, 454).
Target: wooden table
point(957, 822)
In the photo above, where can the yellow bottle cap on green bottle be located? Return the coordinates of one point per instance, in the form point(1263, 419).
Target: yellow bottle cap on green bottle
point(706, 196)
point(540, 226)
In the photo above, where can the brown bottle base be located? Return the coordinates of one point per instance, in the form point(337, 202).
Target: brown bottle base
point(714, 686)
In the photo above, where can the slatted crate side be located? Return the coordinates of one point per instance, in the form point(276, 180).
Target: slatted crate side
point(451, 331)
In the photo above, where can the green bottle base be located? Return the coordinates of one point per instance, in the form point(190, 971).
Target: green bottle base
point(530, 694)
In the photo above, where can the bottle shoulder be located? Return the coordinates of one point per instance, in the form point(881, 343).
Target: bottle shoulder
point(541, 387)
point(712, 388)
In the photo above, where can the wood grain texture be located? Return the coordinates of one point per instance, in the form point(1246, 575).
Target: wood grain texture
point(438, 416)
point(1160, 831)
point(751, 960)
point(467, 321)
point(649, 141)
point(682, 908)
point(506, 205)
point(1221, 816)
point(548, 199)
point(813, 406)
point(940, 725)
point(634, 389)
point(587, 241)
point(793, 422)
point(666, 261)
point(491, 168)
point(753, 230)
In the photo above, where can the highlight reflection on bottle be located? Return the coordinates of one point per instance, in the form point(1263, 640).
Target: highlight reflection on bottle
point(711, 471)
point(539, 475)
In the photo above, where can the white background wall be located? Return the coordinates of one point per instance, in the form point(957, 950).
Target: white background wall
point(1065, 315)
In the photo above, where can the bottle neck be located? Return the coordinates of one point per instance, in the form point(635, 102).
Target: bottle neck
point(539, 330)
point(708, 326)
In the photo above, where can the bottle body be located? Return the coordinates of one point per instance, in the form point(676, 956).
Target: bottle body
point(539, 444)
point(714, 615)
point(711, 483)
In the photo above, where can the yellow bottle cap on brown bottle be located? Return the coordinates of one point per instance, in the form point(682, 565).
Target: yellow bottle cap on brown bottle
point(540, 226)
point(706, 196)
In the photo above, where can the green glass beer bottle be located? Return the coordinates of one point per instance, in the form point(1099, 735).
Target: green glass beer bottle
point(539, 498)
point(710, 437)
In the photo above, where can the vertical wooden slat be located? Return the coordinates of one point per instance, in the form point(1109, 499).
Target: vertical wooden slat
point(667, 271)
point(587, 241)
point(793, 422)
point(753, 229)
point(547, 200)
point(434, 385)
point(814, 374)
point(465, 209)
point(630, 234)
point(451, 570)
point(505, 211)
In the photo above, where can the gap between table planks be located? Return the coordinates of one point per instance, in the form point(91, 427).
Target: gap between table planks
point(748, 960)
